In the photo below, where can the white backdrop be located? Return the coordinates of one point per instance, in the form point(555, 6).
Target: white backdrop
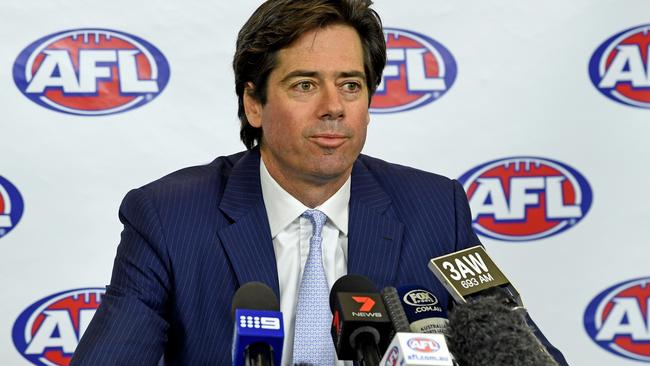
point(522, 89)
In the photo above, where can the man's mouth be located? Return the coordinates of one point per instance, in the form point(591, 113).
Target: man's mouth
point(329, 140)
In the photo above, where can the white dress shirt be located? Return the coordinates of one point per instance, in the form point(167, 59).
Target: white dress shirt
point(291, 234)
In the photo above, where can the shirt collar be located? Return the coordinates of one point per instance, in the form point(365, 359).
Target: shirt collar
point(282, 208)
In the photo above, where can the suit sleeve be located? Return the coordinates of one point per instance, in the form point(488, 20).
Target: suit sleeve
point(465, 235)
point(130, 326)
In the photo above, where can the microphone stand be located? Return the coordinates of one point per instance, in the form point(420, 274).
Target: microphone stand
point(259, 354)
point(367, 353)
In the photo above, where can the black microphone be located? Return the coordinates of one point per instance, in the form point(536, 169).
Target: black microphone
point(360, 327)
point(259, 334)
point(487, 326)
point(395, 310)
point(422, 309)
point(488, 331)
point(426, 320)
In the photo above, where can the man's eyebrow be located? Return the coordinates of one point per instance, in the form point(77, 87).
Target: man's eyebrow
point(307, 73)
point(353, 74)
point(298, 73)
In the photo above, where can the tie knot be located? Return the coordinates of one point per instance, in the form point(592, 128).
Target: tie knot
point(317, 219)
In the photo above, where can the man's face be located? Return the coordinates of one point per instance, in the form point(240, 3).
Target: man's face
point(316, 115)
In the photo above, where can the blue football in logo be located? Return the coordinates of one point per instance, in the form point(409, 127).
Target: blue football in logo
point(617, 319)
point(620, 67)
point(418, 71)
point(48, 331)
point(525, 198)
point(91, 72)
point(11, 206)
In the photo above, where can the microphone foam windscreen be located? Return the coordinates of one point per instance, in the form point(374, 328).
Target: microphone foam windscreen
point(487, 332)
point(395, 309)
point(350, 283)
point(254, 296)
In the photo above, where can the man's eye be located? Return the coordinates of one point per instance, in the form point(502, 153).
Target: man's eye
point(305, 86)
point(352, 87)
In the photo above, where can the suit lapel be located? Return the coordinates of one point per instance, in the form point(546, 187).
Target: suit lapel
point(374, 237)
point(247, 241)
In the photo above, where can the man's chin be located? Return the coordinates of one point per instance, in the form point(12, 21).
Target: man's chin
point(325, 172)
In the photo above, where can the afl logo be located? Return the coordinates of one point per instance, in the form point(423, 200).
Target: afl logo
point(392, 357)
point(617, 319)
point(91, 72)
point(525, 198)
point(48, 331)
point(418, 71)
point(11, 206)
point(620, 67)
point(423, 345)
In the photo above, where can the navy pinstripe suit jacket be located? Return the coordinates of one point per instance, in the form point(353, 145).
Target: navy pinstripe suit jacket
point(190, 239)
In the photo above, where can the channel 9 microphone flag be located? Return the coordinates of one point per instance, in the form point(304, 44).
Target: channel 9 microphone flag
point(259, 333)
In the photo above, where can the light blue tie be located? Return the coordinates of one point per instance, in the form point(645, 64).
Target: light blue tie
point(312, 340)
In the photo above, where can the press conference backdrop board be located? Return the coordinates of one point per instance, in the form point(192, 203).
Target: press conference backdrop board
point(540, 108)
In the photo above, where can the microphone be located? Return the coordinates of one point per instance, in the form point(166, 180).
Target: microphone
point(487, 331)
point(488, 324)
point(259, 333)
point(395, 310)
point(418, 349)
point(469, 272)
point(360, 326)
point(421, 340)
point(422, 310)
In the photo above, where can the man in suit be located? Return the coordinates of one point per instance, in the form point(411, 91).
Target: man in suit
point(305, 72)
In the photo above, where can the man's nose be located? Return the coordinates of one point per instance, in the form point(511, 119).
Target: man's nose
point(331, 105)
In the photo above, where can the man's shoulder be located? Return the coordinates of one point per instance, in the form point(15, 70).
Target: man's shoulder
point(410, 189)
point(388, 172)
point(210, 177)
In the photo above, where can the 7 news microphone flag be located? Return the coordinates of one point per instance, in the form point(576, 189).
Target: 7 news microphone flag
point(360, 327)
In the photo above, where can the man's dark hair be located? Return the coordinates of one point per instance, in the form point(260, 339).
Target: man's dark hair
point(278, 23)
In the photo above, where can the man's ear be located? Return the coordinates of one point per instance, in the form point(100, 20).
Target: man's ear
point(252, 106)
